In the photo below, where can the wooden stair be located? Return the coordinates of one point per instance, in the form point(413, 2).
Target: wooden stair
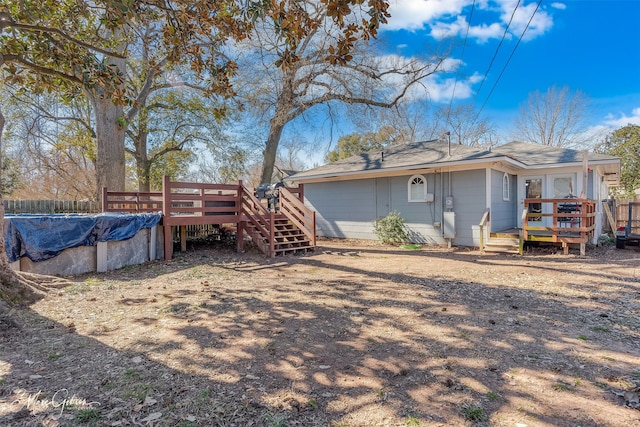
point(291, 230)
point(288, 238)
point(502, 244)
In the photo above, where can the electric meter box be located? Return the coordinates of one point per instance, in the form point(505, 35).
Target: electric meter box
point(449, 225)
point(448, 202)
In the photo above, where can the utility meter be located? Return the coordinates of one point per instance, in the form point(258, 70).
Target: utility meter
point(448, 202)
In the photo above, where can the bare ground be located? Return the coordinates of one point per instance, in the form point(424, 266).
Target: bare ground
point(355, 334)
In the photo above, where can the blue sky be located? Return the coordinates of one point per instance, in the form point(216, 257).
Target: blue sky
point(588, 45)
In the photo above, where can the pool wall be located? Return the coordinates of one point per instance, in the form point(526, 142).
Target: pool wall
point(147, 244)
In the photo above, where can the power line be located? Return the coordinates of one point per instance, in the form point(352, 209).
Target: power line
point(495, 54)
point(508, 60)
point(464, 45)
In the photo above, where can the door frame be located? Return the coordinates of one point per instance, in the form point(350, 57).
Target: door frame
point(522, 191)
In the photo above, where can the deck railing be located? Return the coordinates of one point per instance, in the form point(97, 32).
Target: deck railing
point(131, 202)
point(294, 209)
point(187, 204)
point(562, 220)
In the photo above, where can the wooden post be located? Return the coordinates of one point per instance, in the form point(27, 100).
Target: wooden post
point(166, 213)
point(183, 238)
point(612, 222)
point(272, 232)
point(585, 174)
point(105, 206)
point(240, 237)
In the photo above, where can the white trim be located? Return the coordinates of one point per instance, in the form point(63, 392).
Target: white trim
point(410, 184)
point(519, 168)
point(487, 180)
point(506, 189)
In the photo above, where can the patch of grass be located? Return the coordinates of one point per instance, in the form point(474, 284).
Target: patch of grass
point(413, 421)
point(78, 288)
point(2, 381)
point(139, 392)
point(583, 337)
point(560, 386)
point(274, 420)
point(474, 413)
point(132, 374)
point(313, 403)
point(205, 394)
point(87, 416)
point(54, 356)
point(93, 281)
point(492, 395)
point(411, 247)
point(600, 329)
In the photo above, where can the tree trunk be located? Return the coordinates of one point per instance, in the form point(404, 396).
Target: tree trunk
point(110, 132)
point(270, 152)
point(141, 157)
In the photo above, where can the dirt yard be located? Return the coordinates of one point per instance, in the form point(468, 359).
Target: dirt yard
point(355, 334)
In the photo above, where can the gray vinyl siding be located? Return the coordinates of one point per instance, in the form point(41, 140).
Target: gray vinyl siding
point(347, 209)
point(503, 213)
point(469, 192)
point(344, 209)
point(419, 216)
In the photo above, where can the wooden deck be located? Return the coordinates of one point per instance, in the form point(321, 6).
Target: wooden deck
point(572, 221)
point(231, 205)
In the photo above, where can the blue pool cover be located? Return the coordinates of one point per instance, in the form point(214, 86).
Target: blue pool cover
point(41, 237)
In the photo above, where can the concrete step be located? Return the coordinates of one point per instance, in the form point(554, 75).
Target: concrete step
point(502, 249)
point(502, 245)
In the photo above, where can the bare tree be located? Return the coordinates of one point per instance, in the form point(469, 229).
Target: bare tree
point(281, 94)
point(54, 145)
point(464, 124)
point(556, 118)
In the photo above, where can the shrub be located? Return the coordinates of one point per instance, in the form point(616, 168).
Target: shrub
point(390, 229)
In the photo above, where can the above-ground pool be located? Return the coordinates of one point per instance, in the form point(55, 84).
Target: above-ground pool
point(43, 237)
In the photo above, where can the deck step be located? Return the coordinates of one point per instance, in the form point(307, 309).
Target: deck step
point(509, 245)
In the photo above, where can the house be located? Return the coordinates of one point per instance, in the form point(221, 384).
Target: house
point(443, 191)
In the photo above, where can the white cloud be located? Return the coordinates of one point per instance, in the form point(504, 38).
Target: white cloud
point(623, 119)
point(558, 5)
point(597, 133)
point(539, 25)
point(448, 18)
point(482, 33)
point(437, 87)
point(416, 14)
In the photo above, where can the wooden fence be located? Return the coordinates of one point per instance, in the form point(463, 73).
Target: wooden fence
point(50, 206)
point(622, 215)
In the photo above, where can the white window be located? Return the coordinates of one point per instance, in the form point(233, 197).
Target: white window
point(417, 189)
point(506, 188)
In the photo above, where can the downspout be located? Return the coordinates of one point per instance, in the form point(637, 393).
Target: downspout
point(441, 203)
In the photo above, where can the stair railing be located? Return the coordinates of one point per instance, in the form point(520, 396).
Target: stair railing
point(484, 221)
point(300, 215)
point(260, 217)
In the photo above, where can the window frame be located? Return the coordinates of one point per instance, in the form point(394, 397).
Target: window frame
point(506, 187)
point(410, 183)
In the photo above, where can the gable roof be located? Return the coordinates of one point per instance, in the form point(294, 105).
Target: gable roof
point(537, 155)
point(436, 153)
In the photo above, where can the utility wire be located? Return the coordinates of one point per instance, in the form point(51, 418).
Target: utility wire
point(508, 60)
point(495, 54)
point(464, 45)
